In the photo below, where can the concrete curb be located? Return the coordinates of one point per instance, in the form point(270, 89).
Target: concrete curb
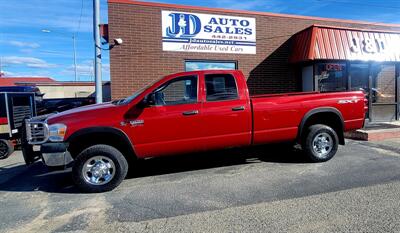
point(373, 135)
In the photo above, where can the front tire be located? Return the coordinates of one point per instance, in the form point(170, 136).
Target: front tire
point(6, 148)
point(320, 143)
point(99, 168)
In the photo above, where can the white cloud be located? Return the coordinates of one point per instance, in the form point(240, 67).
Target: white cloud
point(22, 44)
point(105, 67)
point(31, 62)
point(82, 69)
point(85, 69)
point(6, 73)
point(26, 50)
point(54, 52)
point(61, 15)
point(38, 73)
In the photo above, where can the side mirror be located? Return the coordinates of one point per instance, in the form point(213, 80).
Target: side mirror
point(149, 100)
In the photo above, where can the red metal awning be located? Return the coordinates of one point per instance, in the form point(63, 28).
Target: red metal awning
point(330, 43)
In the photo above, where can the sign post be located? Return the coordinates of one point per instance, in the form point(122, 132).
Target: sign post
point(97, 51)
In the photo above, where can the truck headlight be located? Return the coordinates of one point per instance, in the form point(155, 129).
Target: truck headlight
point(57, 132)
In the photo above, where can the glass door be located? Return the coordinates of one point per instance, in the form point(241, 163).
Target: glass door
point(359, 80)
point(383, 92)
point(378, 82)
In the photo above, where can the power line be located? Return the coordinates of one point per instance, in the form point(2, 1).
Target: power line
point(80, 18)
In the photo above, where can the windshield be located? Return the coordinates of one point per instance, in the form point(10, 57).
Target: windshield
point(134, 95)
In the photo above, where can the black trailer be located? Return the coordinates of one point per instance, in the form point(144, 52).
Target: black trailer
point(14, 109)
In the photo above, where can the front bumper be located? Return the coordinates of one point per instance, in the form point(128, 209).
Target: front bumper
point(35, 132)
point(55, 154)
point(52, 154)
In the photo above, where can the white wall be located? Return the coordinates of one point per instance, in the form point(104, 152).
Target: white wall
point(66, 91)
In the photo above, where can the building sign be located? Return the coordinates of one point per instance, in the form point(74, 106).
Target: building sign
point(192, 32)
point(375, 46)
point(334, 67)
point(330, 43)
point(368, 45)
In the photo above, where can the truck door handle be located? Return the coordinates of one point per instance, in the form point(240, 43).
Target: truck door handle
point(190, 113)
point(240, 108)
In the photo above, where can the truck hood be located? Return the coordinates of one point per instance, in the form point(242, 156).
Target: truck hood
point(84, 112)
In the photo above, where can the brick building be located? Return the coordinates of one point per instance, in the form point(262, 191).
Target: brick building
point(277, 52)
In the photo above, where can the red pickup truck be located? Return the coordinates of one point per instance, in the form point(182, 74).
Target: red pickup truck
point(183, 113)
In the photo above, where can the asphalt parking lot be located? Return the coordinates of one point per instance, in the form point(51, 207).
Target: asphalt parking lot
point(265, 189)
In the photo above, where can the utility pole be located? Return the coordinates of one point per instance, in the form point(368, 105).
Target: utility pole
point(97, 50)
point(73, 41)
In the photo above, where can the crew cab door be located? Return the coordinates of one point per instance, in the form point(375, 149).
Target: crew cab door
point(226, 111)
point(172, 125)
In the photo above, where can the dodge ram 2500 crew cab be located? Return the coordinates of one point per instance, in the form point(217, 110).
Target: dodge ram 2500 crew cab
point(188, 112)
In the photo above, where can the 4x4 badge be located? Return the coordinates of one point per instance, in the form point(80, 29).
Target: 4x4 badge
point(132, 123)
point(350, 101)
point(136, 122)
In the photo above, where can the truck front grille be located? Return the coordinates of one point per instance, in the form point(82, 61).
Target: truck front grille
point(36, 132)
point(20, 113)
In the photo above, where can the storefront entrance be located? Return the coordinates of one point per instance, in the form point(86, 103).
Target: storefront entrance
point(379, 82)
point(342, 59)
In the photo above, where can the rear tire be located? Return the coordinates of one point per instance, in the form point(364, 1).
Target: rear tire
point(99, 168)
point(6, 148)
point(320, 143)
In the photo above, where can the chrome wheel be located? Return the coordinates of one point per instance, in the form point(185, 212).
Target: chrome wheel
point(322, 144)
point(98, 170)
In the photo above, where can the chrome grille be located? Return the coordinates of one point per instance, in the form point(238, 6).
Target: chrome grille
point(36, 132)
point(20, 113)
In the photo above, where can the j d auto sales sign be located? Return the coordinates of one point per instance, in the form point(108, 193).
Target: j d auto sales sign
point(192, 32)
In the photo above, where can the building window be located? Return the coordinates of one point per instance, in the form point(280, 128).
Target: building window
point(359, 74)
point(210, 65)
point(331, 77)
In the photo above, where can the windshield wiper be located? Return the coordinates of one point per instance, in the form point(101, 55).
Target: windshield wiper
point(117, 102)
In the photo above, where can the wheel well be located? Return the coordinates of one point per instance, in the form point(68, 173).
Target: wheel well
point(330, 119)
point(84, 140)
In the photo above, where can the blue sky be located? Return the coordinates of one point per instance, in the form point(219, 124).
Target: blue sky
point(27, 51)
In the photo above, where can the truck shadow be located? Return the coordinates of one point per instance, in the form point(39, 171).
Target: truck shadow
point(280, 153)
point(37, 177)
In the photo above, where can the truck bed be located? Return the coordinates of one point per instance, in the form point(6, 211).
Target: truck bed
point(277, 117)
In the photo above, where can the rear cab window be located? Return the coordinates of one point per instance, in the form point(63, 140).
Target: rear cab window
point(220, 87)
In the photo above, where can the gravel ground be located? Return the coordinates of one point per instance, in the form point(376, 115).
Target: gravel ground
point(368, 209)
point(265, 189)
